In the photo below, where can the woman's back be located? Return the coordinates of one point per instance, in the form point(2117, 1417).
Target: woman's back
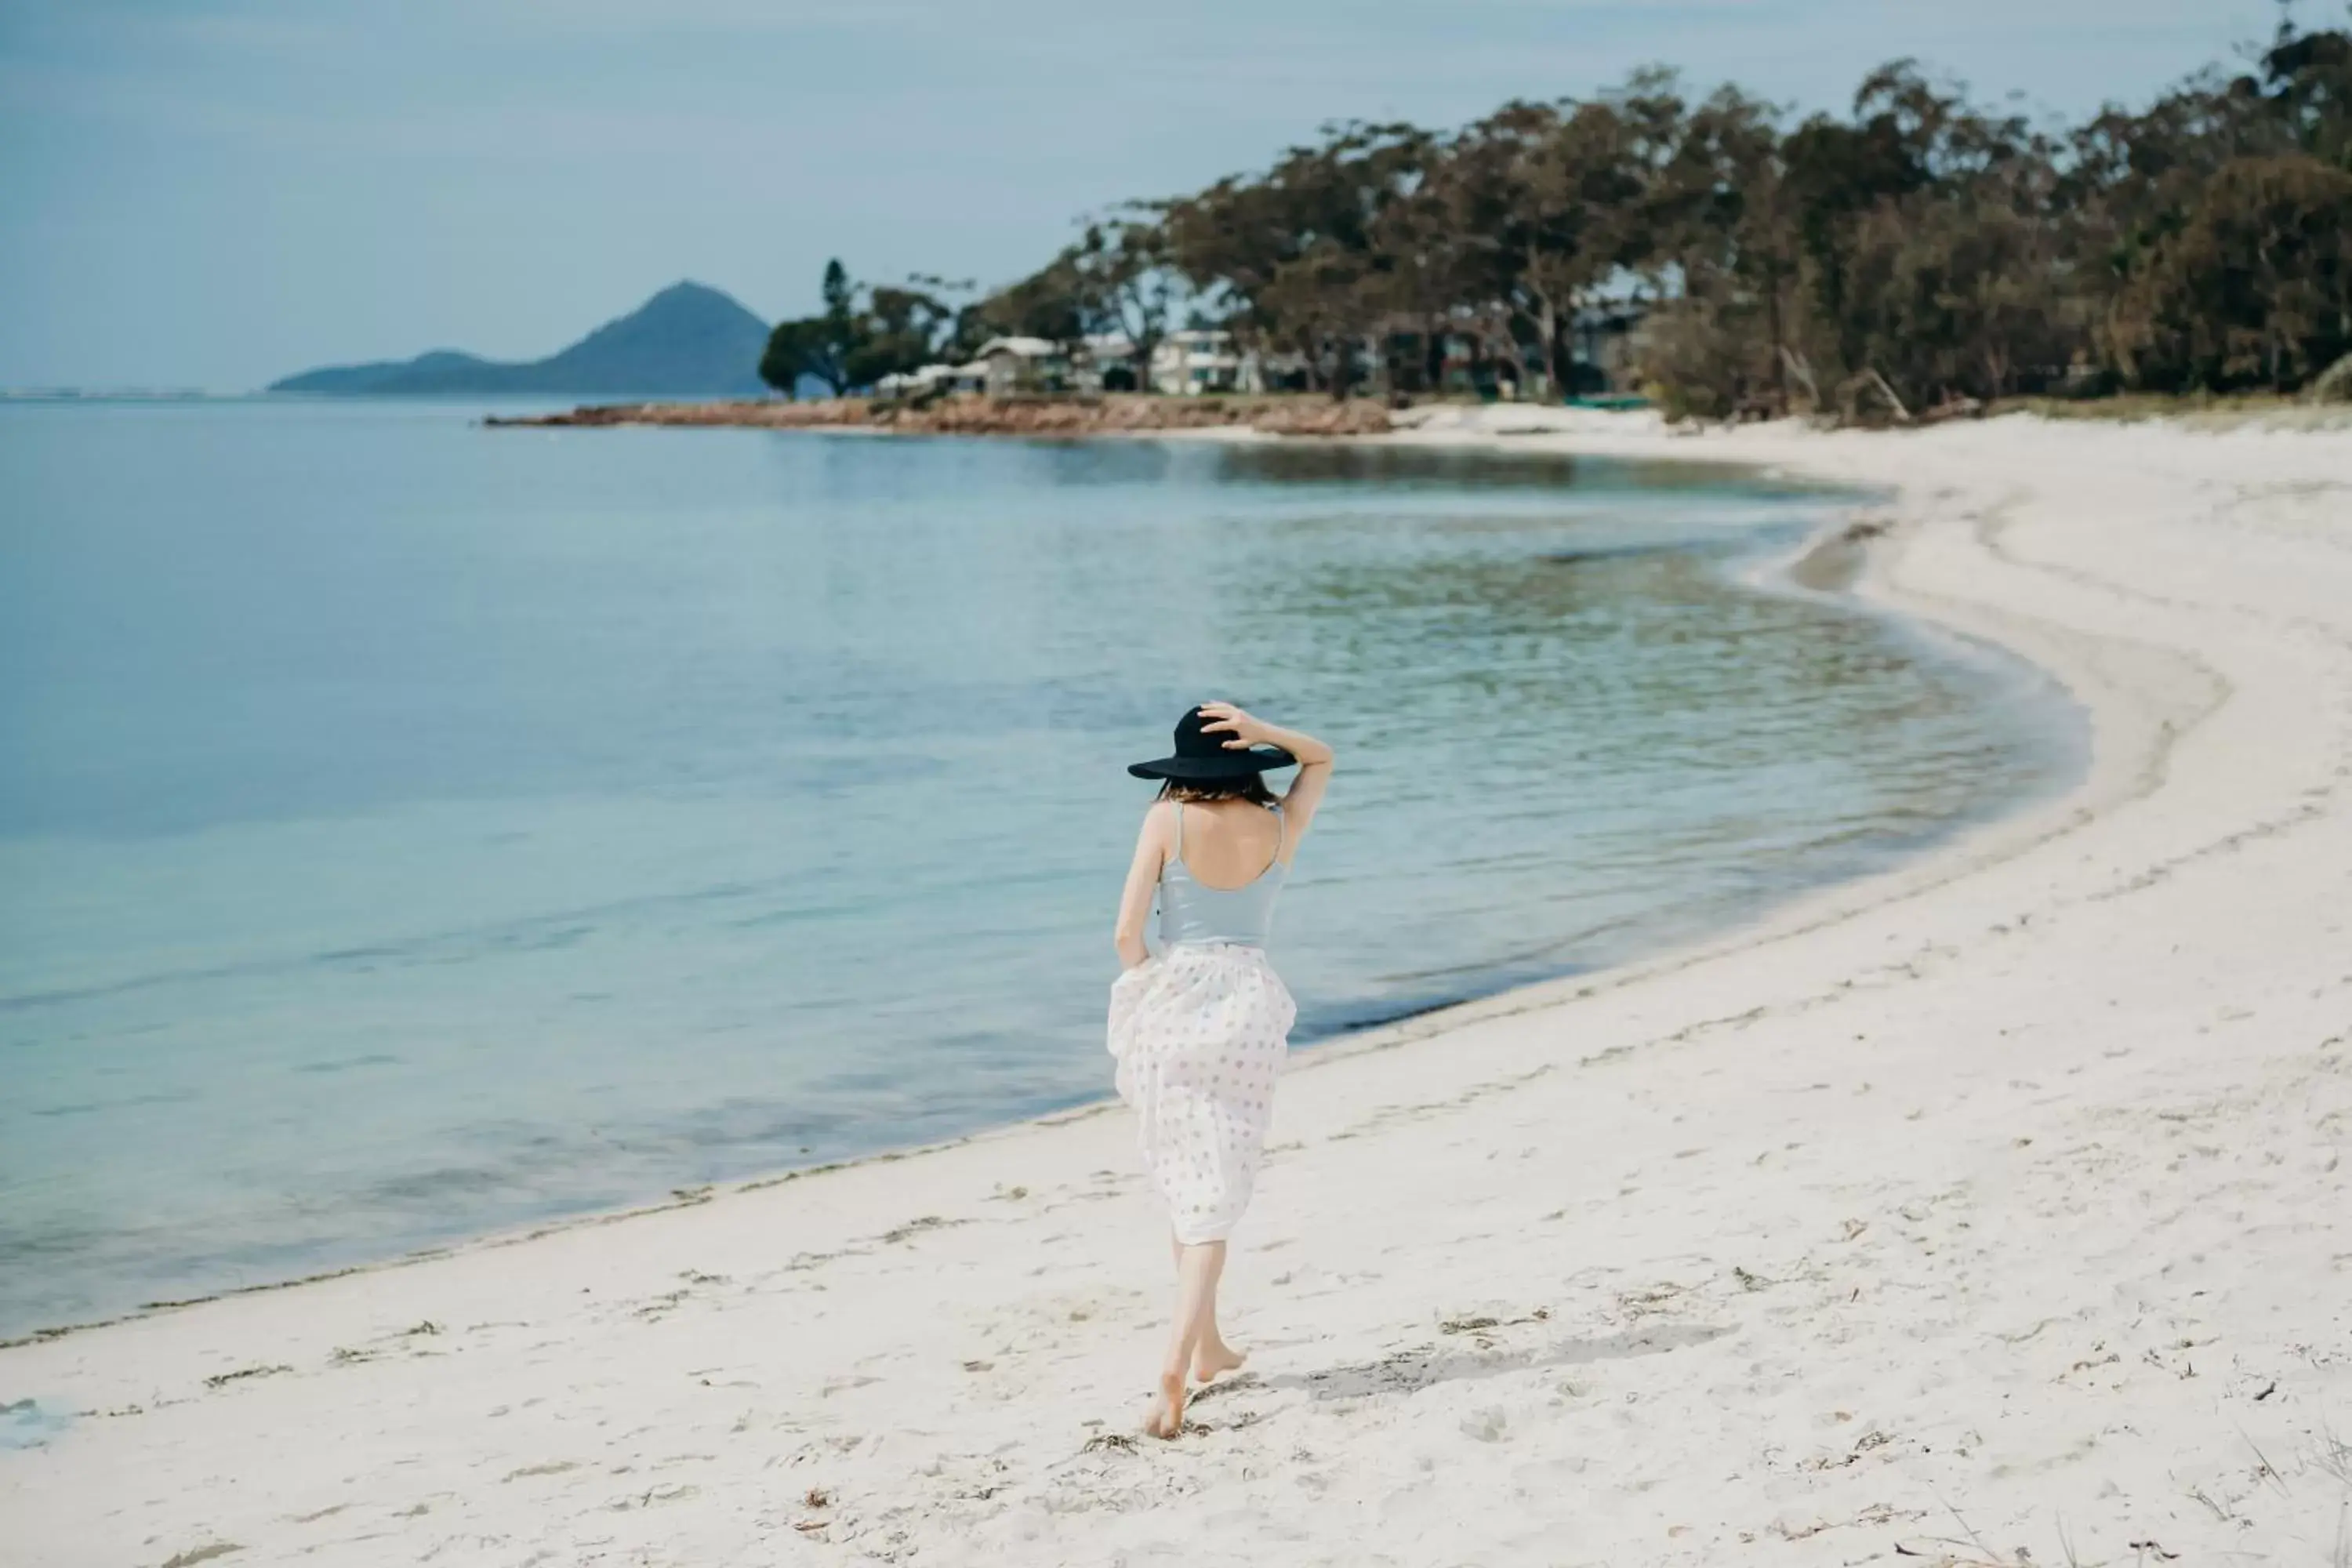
point(1223, 874)
point(1226, 844)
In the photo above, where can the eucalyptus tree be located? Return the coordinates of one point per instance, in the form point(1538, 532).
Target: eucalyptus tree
point(1126, 285)
point(2254, 288)
point(1559, 198)
point(1724, 339)
point(861, 335)
point(1295, 256)
point(1050, 303)
point(816, 347)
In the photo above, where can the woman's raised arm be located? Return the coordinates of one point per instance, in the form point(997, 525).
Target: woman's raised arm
point(1305, 792)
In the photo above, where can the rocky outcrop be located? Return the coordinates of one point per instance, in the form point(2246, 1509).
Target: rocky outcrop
point(974, 416)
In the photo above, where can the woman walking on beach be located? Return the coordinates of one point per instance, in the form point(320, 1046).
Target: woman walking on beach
point(1200, 1031)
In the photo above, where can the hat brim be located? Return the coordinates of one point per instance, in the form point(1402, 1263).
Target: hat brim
point(1224, 766)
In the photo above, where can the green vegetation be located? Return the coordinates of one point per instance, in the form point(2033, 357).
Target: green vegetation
point(862, 335)
point(1115, 279)
point(1920, 252)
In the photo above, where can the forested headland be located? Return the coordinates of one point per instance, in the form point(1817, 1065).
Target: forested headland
point(1921, 249)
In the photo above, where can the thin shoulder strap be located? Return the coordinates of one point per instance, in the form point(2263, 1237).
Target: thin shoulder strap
point(1281, 827)
point(1179, 856)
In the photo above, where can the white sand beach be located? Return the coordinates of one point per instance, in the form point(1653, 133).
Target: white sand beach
point(1993, 1211)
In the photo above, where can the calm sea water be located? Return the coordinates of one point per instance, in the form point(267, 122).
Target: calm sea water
point(407, 829)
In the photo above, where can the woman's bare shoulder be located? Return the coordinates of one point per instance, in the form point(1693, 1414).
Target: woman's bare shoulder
point(1158, 821)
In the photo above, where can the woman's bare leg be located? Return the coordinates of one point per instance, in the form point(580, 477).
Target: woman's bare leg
point(1212, 1357)
point(1197, 1268)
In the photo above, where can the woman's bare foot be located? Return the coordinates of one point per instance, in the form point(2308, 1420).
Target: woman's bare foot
point(1167, 1417)
point(1211, 1360)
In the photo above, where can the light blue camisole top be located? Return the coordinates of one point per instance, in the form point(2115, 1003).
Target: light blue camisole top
point(1192, 912)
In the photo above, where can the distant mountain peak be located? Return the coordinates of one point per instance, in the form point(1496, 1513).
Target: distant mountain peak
point(688, 341)
point(687, 289)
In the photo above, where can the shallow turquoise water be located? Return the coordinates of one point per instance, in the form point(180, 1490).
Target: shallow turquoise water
point(407, 829)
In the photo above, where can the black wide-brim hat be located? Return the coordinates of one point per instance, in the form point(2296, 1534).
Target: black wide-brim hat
point(1203, 757)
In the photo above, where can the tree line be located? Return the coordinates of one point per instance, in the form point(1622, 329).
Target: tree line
point(1921, 249)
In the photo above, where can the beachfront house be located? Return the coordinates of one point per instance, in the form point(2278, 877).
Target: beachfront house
point(1202, 360)
point(1023, 364)
point(1608, 343)
point(1105, 362)
point(1281, 370)
point(1599, 354)
point(933, 378)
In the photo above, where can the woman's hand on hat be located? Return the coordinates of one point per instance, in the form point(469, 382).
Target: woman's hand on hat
point(1223, 718)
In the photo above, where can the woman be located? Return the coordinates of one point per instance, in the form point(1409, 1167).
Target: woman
point(1200, 1032)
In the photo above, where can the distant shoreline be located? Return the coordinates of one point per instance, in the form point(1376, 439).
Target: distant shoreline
point(984, 416)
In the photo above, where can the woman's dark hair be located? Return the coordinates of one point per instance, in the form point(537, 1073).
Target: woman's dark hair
point(1250, 788)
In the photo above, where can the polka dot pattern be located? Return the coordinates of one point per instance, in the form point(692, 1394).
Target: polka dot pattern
point(1199, 1035)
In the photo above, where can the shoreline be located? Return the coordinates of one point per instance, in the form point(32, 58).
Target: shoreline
point(2125, 752)
point(1828, 562)
point(1054, 417)
point(1896, 1197)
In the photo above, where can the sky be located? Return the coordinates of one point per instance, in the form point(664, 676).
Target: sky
point(215, 193)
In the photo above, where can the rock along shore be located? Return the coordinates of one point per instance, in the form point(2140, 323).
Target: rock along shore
point(981, 416)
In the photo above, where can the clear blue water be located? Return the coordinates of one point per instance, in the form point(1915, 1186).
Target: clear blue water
point(407, 829)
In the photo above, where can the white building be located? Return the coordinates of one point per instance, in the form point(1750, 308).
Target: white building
point(1107, 363)
point(1186, 363)
point(1023, 364)
point(1198, 360)
point(973, 377)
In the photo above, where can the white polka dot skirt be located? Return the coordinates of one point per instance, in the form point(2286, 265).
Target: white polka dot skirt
point(1200, 1033)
